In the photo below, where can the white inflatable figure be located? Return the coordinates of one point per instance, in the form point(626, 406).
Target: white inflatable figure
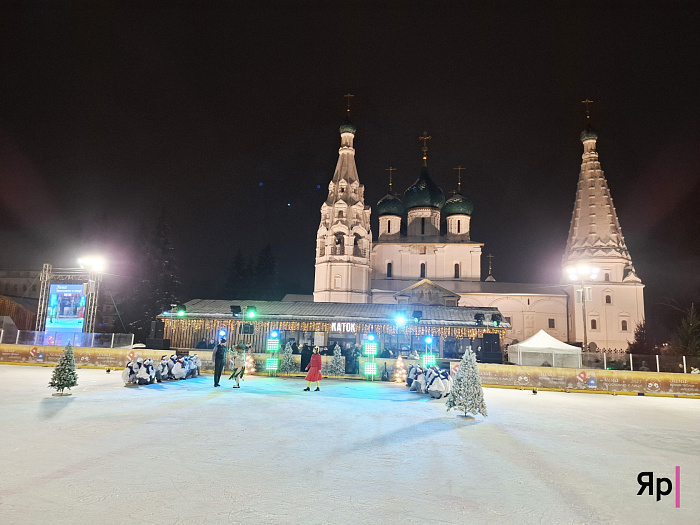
point(446, 381)
point(179, 371)
point(436, 388)
point(418, 384)
point(137, 366)
point(171, 364)
point(197, 365)
point(129, 374)
point(412, 371)
point(161, 370)
point(146, 374)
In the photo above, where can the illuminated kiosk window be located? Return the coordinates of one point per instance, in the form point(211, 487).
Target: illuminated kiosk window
point(272, 364)
point(370, 369)
point(428, 360)
point(371, 349)
point(273, 345)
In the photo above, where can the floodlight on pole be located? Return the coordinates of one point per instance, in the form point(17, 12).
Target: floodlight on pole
point(580, 273)
point(93, 263)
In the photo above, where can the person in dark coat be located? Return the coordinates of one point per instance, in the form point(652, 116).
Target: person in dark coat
point(219, 358)
point(295, 348)
point(314, 374)
point(347, 354)
point(305, 357)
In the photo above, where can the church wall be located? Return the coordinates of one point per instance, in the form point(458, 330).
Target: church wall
point(528, 313)
point(439, 260)
point(626, 304)
point(341, 282)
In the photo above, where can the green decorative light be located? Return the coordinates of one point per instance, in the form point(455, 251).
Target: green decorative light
point(273, 345)
point(251, 312)
point(428, 360)
point(180, 313)
point(272, 364)
point(495, 323)
point(371, 369)
point(370, 349)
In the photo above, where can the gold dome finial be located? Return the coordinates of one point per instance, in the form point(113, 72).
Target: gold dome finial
point(348, 97)
point(588, 108)
point(425, 138)
point(459, 170)
point(391, 171)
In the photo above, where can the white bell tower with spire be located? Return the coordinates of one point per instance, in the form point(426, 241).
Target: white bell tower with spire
point(613, 299)
point(344, 238)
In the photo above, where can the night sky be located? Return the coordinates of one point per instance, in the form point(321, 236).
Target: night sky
point(224, 116)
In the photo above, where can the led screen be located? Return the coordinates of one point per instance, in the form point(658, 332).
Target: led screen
point(66, 309)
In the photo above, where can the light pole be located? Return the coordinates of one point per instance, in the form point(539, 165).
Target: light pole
point(94, 266)
point(581, 273)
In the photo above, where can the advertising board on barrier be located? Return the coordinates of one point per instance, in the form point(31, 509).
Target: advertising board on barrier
point(589, 379)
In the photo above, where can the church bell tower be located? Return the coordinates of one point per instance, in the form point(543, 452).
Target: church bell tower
point(344, 238)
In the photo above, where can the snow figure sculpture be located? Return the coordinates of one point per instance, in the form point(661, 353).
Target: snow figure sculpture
point(288, 365)
point(467, 393)
point(162, 369)
point(337, 366)
point(64, 375)
point(446, 381)
point(411, 376)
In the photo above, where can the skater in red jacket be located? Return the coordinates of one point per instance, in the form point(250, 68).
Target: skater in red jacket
point(314, 368)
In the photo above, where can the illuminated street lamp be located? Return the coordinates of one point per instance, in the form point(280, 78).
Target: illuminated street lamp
point(581, 273)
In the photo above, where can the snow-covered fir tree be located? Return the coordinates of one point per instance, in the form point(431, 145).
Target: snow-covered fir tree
point(64, 375)
point(337, 366)
point(287, 365)
point(467, 393)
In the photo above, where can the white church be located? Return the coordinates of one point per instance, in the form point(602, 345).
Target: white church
point(424, 255)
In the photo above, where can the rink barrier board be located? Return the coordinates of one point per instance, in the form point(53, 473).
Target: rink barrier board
point(577, 380)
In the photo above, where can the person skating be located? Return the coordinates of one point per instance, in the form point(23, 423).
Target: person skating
point(237, 365)
point(219, 358)
point(314, 368)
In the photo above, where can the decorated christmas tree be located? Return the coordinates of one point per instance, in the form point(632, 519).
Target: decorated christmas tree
point(249, 364)
point(288, 365)
point(337, 366)
point(467, 393)
point(400, 370)
point(64, 375)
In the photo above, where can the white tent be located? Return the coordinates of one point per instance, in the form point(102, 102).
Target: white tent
point(544, 350)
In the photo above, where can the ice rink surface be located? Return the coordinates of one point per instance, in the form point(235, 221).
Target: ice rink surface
point(357, 452)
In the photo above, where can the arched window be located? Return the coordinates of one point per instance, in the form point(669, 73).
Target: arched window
point(388, 269)
point(422, 225)
point(24, 287)
point(457, 271)
point(388, 226)
point(624, 326)
point(34, 288)
point(422, 270)
point(607, 276)
point(340, 214)
point(594, 324)
point(459, 226)
point(608, 299)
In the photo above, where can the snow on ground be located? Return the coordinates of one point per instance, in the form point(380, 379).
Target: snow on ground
point(355, 452)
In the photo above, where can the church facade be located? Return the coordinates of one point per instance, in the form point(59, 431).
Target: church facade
point(424, 255)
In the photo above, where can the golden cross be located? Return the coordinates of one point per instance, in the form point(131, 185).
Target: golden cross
point(588, 107)
point(390, 170)
point(348, 96)
point(459, 170)
point(425, 138)
point(490, 257)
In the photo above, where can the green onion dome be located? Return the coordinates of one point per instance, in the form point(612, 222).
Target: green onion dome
point(458, 204)
point(390, 205)
point(424, 193)
point(347, 126)
point(588, 134)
